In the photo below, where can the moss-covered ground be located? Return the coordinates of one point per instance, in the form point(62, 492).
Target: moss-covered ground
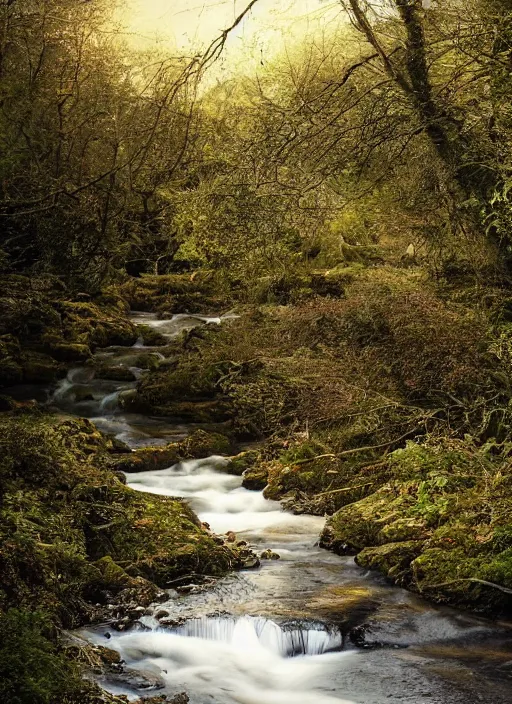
point(43, 328)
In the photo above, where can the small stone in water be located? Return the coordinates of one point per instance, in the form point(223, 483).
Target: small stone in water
point(270, 555)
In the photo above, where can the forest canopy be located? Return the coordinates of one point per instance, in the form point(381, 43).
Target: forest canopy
point(394, 121)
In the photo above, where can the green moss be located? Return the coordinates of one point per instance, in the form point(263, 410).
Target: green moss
point(390, 559)
point(96, 327)
point(63, 510)
point(499, 569)
point(43, 331)
point(243, 462)
point(174, 293)
point(65, 351)
point(151, 337)
point(255, 478)
point(38, 368)
point(185, 382)
point(358, 525)
point(403, 529)
point(203, 444)
point(452, 503)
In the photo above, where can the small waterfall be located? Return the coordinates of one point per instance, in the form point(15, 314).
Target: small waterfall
point(286, 641)
point(137, 372)
point(81, 375)
point(247, 660)
point(75, 377)
point(110, 402)
point(62, 391)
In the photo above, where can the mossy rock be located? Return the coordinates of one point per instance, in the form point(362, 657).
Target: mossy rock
point(448, 502)
point(38, 367)
point(172, 293)
point(63, 351)
point(197, 445)
point(113, 372)
point(96, 327)
point(203, 412)
point(71, 532)
point(11, 371)
point(112, 577)
point(150, 336)
point(114, 332)
point(357, 525)
point(390, 559)
point(241, 463)
point(403, 529)
point(201, 443)
point(108, 656)
point(49, 331)
point(255, 478)
point(184, 383)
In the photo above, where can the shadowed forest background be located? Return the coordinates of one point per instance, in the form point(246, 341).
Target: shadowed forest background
point(350, 196)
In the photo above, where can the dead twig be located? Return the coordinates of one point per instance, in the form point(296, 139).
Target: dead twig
point(355, 450)
point(344, 490)
point(468, 579)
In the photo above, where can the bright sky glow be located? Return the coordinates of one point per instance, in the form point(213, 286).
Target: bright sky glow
point(189, 25)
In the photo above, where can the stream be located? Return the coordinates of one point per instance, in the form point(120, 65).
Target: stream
point(309, 628)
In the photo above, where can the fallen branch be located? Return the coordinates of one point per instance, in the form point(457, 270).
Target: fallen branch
point(467, 579)
point(354, 450)
point(313, 459)
point(188, 577)
point(345, 489)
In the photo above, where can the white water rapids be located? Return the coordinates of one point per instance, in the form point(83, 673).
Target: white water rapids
point(220, 500)
point(234, 661)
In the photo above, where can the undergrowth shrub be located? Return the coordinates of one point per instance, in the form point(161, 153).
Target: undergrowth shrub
point(32, 671)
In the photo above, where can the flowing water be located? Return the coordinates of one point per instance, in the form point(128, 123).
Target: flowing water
point(310, 627)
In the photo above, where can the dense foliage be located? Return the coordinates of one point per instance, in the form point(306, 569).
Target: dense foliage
point(395, 127)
